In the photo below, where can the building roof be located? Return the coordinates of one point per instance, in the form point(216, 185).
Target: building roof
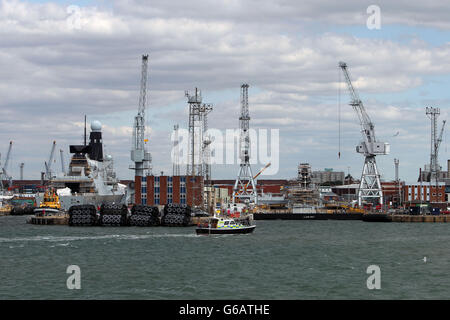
point(347, 186)
point(259, 182)
point(418, 184)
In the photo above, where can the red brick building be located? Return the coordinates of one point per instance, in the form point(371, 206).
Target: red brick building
point(161, 190)
point(392, 192)
point(426, 192)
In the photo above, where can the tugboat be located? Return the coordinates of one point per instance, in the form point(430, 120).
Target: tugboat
point(5, 206)
point(50, 204)
point(217, 225)
point(49, 211)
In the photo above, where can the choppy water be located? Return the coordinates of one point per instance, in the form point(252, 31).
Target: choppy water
point(280, 260)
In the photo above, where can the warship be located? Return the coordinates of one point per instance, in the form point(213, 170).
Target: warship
point(91, 178)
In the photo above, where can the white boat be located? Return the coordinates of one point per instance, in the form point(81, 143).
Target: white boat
point(216, 225)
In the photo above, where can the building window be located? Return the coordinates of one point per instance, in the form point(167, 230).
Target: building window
point(182, 179)
point(156, 198)
point(182, 189)
point(156, 189)
point(169, 190)
point(169, 179)
point(144, 179)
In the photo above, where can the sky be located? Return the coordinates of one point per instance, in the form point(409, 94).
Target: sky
point(61, 60)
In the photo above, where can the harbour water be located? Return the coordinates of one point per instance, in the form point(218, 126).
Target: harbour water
point(280, 260)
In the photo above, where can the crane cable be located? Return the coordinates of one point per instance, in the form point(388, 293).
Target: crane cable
point(339, 114)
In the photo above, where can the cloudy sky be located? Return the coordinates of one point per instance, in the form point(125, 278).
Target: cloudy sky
point(60, 60)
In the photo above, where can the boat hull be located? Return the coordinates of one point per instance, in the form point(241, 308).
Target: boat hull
point(377, 217)
point(243, 230)
point(46, 211)
point(307, 216)
point(86, 198)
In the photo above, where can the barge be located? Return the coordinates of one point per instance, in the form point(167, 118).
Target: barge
point(307, 216)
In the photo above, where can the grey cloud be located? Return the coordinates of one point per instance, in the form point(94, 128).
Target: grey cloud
point(52, 75)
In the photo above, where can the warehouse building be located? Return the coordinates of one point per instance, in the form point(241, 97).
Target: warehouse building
point(328, 176)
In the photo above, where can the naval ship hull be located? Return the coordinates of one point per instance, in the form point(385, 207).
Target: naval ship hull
point(70, 200)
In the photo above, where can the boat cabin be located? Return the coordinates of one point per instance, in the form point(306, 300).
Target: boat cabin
point(51, 200)
point(215, 223)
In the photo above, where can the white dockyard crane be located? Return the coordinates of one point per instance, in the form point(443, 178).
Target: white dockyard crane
point(370, 185)
point(139, 155)
point(434, 164)
point(48, 165)
point(245, 176)
point(4, 173)
point(439, 140)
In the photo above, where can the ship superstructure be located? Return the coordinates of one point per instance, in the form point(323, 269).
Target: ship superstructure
point(90, 178)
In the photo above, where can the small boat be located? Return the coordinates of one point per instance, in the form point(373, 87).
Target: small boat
point(5, 209)
point(50, 204)
point(217, 225)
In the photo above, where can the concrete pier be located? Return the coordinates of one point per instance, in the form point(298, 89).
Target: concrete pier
point(420, 218)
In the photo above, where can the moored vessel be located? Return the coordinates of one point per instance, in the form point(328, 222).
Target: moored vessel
point(91, 179)
point(50, 205)
point(217, 225)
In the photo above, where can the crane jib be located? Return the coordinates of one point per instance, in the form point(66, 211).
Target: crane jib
point(370, 185)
